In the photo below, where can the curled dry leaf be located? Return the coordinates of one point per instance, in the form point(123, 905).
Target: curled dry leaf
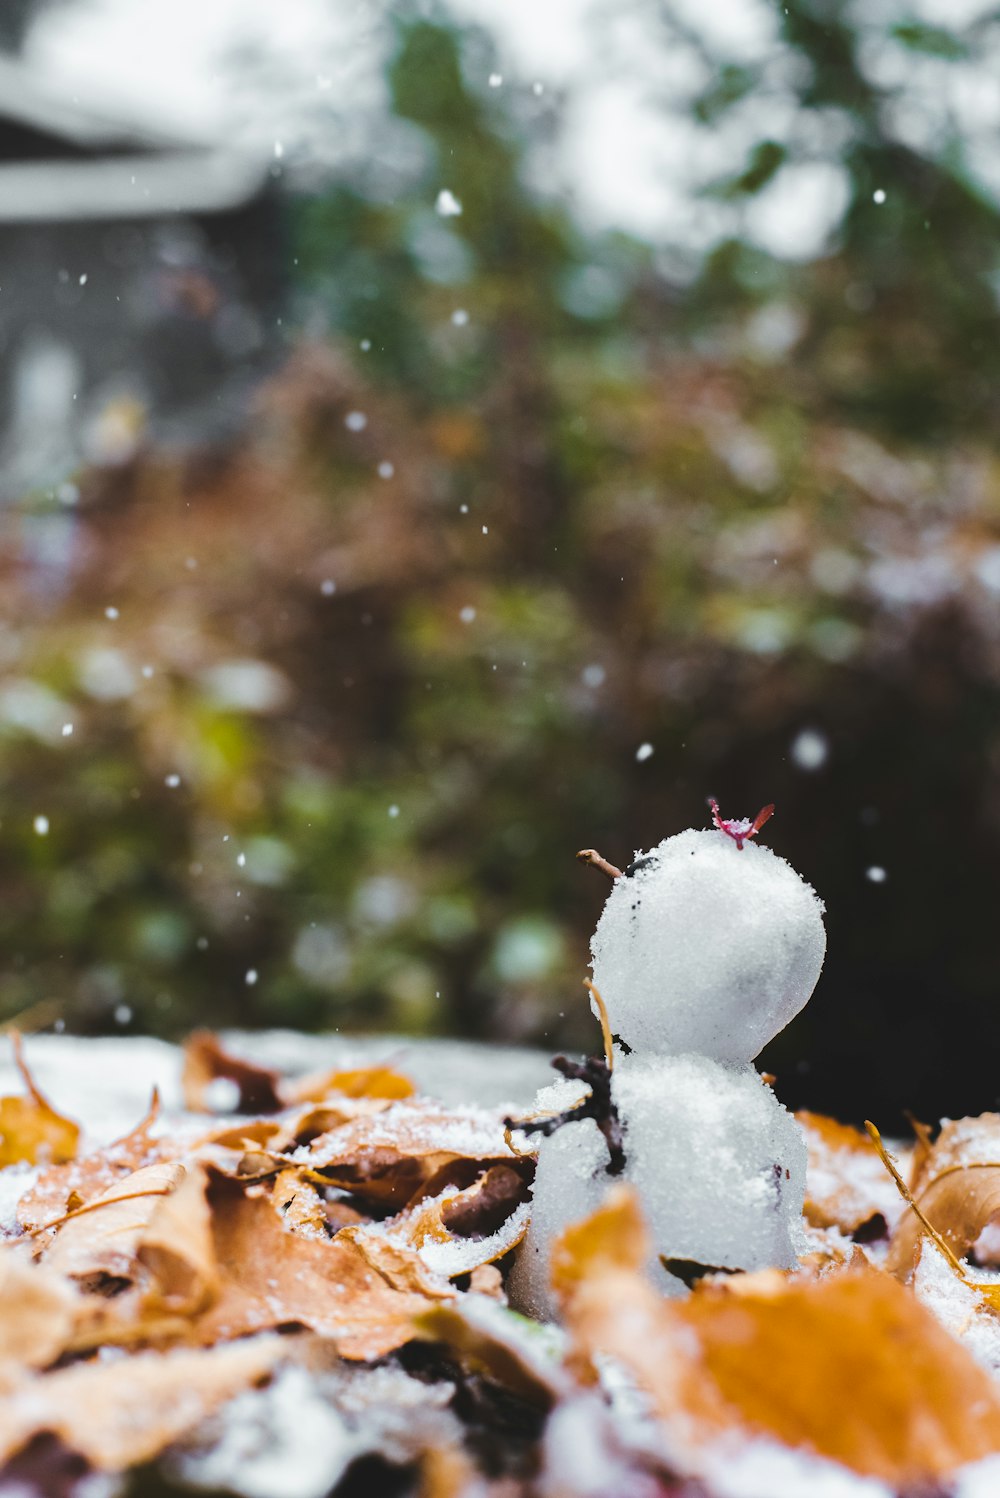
point(361, 1082)
point(956, 1186)
point(846, 1185)
point(261, 1089)
point(391, 1158)
point(63, 1187)
point(300, 1205)
point(877, 1383)
point(271, 1277)
point(30, 1128)
point(123, 1412)
point(206, 1061)
point(459, 1231)
point(39, 1313)
point(150, 1230)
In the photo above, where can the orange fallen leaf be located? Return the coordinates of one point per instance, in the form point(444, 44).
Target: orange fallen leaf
point(849, 1366)
point(271, 1277)
point(846, 1185)
point(957, 1188)
point(150, 1229)
point(61, 1187)
point(359, 1082)
point(30, 1128)
point(123, 1412)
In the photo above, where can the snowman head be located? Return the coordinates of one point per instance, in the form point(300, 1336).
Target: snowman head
point(708, 943)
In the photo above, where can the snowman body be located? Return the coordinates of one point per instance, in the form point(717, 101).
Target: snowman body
point(704, 951)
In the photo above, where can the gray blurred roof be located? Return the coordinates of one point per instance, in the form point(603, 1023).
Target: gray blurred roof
point(128, 170)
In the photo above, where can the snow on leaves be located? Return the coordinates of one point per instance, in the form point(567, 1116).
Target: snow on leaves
point(848, 1366)
point(343, 1214)
point(160, 1279)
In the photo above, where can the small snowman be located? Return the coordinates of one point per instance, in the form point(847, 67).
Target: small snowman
point(708, 945)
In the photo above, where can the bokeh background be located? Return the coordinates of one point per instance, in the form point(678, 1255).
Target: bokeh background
point(436, 439)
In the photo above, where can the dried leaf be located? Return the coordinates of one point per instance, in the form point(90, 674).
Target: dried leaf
point(389, 1159)
point(271, 1277)
point(846, 1185)
point(362, 1082)
point(123, 1412)
point(30, 1128)
point(492, 1215)
point(956, 1187)
point(63, 1186)
point(507, 1348)
point(206, 1061)
point(39, 1313)
point(151, 1229)
point(300, 1205)
point(849, 1366)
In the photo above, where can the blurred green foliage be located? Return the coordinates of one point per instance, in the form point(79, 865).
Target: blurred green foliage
point(533, 503)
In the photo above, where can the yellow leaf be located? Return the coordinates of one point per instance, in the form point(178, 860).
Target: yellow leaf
point(956, 1187)
point(30, 1128)
point(849, 1366)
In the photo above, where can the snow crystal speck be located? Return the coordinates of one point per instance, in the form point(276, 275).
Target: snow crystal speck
point(878, 196)
point(41, 826)
point(467, 615)
point(495, 80)
point(251, 977)
point(123, 1014)
point(447, 205)
point(328, 587)
point(460, 317)
point(67, 730)
point(644, 752)
point(173, 781)
point(111, 612)
point(386, 470)
point(810, 749)
point(241, 860)
point(355, 421)
point(876, 874)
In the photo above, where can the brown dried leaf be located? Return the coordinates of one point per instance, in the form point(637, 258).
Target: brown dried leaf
point(957, 1188)
point(271, 1277)
point(846, 1185)
point(390, 1158)
point(151, 1229)
point(63, 1186)
point(850, 1366)
point(206, 1061)
point(30, 1128)
point(299, 1204)
point(120, 1413)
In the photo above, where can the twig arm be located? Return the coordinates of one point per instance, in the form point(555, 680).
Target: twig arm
point(591, 857)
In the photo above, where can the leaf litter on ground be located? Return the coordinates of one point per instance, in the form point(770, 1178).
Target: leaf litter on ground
point(170, 1280)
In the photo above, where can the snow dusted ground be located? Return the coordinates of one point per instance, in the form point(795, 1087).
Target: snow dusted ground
point(105, 1084)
